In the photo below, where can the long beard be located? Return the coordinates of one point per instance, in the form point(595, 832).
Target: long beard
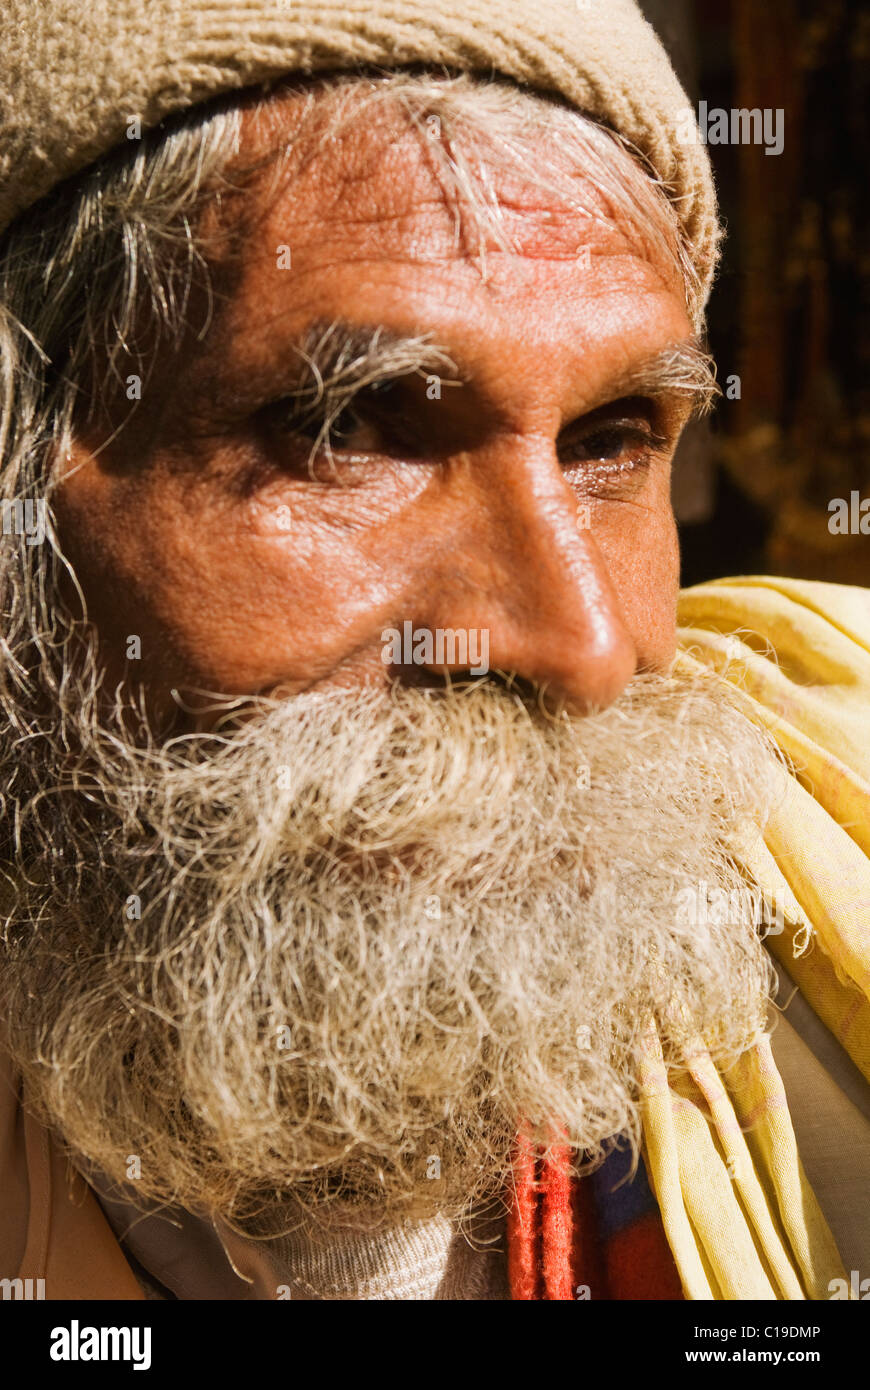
point(342, 949)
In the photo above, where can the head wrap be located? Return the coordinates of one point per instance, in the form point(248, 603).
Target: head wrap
point(73, 76)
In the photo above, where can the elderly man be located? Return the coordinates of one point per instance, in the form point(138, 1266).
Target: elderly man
point(390, 906)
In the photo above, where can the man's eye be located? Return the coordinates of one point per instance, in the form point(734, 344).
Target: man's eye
point(613, 447)
point(350, 430)
point(346, 423)
point(360, 427)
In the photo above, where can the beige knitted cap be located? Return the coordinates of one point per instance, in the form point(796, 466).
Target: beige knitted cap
point(74, 72)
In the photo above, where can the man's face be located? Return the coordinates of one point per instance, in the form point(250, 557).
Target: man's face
point(531, 501)
point(368, 925)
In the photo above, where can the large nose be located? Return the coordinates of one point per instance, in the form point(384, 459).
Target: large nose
point(520, 563)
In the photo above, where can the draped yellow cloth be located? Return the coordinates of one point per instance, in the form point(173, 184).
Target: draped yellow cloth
point(720, 1150)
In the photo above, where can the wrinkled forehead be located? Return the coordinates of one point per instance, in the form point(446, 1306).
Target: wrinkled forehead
point(385, 175)
point(537, 229)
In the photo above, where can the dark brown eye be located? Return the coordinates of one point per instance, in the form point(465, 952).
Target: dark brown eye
point(346, 426)
point(618, 445)
point(606, 444)
point(365, 425)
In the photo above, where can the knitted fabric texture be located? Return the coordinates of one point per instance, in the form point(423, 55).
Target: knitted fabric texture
point(73, 76)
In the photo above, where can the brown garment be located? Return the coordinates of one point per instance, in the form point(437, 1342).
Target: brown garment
point(51, 1224)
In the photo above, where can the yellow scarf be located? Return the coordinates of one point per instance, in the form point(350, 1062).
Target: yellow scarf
point(738, 1211)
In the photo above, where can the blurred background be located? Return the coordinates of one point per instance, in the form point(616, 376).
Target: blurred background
point(790, 312)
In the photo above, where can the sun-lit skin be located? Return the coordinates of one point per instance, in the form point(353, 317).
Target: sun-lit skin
point(178, 530)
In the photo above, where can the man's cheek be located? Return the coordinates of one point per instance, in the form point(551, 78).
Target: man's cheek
point(267, 608)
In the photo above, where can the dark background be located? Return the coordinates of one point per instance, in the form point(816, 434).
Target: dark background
point(790, 312)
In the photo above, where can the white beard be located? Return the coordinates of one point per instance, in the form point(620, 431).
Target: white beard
point(377, 931)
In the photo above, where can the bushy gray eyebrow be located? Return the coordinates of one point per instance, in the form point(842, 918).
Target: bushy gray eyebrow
point(685, 367)
point(340, 359)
